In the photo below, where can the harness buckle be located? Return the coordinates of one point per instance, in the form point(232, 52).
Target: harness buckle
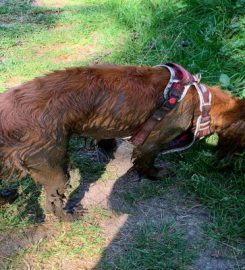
point(158, 115)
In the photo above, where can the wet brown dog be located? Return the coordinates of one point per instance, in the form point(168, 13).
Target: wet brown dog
point(103, 102)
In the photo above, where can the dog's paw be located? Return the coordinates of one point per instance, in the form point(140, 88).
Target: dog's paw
point(164, 172)
point(163, 169)
point(155, 173)
point(73, 214)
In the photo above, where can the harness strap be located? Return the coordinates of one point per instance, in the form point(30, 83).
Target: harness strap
point(179, 83)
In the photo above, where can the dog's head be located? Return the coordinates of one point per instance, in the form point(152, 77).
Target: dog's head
point(228, 121)
point(232, 133)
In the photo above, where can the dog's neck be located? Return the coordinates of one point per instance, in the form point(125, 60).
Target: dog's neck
point(227, 112)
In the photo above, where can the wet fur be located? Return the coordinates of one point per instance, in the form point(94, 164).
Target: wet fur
point(103, 102)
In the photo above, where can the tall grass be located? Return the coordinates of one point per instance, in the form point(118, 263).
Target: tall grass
point(204, 36)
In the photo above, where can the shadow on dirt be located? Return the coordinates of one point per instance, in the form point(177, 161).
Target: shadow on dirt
point(142, 211)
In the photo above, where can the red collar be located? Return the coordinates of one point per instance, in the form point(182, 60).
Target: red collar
point(179, 83)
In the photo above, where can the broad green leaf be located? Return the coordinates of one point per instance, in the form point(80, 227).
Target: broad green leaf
point(224, 80)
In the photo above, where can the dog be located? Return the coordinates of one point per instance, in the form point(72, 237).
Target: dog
point(103, 102)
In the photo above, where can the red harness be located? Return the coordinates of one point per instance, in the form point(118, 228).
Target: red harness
point(179, 84)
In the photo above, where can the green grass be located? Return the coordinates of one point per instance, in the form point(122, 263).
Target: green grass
point(80, 240)
point(128, 32)
point(25, 210)
point(218, 185)
point(156, 248)
point(53, 38)
point(203, 35)
point(146, 190)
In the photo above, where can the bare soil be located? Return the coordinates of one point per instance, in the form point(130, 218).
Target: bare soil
point(175, 207)
point(126, 219)
point(76, 52)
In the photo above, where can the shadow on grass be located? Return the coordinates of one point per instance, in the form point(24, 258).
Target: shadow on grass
point(24, 204)
point(88, 164)
point(162, 228)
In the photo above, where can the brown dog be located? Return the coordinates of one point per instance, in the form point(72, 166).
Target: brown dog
point(103, 102)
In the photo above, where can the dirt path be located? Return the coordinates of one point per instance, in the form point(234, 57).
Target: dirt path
point(125, 220)
point(172, 208)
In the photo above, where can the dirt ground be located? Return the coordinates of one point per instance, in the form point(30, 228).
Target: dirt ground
point(174, 207)
point(126, 219)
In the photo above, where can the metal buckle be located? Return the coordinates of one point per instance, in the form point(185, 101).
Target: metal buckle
point(158, 115)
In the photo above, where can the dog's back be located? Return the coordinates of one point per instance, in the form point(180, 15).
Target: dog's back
point(102, 102)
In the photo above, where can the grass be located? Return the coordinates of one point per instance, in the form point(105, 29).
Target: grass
point(26, 209)
point(147, 190)
point(156, 248)
point(219, 187)
point(53, 38)
point(80, 240)
point(204, 36)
